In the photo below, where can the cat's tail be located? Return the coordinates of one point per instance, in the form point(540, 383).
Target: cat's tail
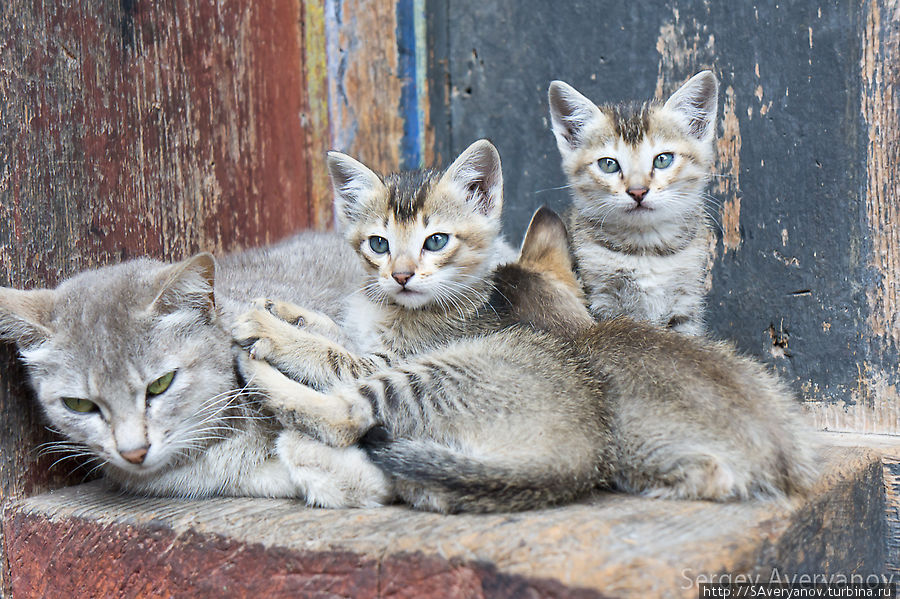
point(439, 478)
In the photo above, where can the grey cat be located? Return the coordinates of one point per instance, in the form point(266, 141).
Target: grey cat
point(538, 405)
point(637, 174)
point(133, 363)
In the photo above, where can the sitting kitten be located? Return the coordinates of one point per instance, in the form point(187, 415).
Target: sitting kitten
point(520, 419)
point(133, 363)
point(427, 241)
point(638, 225)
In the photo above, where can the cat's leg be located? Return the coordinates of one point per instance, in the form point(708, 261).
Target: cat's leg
point(338, 419)
point(332, 477)
point(300, 354)
point(299, 317)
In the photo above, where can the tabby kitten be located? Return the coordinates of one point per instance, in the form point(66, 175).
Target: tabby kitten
point(520, 419)
point(427, 241)
point(133, 364)
point(638, 224)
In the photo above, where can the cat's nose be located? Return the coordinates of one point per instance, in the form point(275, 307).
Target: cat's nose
point(402, 277)
point(637, 193)
point(135, 456)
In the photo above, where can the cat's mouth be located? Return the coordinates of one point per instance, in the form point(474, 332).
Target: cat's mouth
point(639, 209)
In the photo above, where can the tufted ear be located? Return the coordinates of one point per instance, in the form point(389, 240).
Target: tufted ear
point(570, 113)
point(25, 315)
point(697, 103)
point(478, 174)
point(546, 245)
point(188, 284)
point(353, 184)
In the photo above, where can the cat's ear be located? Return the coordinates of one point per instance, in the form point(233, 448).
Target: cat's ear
point(187, 285)
point(546, 245)
point(477, 173)
point(697, 103)
point(353, 183)
point(570, 114)
point(25, 315)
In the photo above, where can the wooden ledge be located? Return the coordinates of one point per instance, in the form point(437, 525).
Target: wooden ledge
point(87, 542)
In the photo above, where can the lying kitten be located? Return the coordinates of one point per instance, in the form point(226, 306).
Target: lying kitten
point(520, 419)
point(133, 364)
point(638, 225)
point(427, 241)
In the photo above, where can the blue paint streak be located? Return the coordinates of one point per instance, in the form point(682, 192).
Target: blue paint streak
point(410, 148)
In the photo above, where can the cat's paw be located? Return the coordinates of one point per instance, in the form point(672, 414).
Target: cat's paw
point(294, 314)
point(262, 333)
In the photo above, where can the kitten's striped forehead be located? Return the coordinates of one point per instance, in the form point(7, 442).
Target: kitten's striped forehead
point(408, 192)
point(630, 121)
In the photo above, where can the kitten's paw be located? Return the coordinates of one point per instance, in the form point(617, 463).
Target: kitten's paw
point(294, 314)
point(263, 330)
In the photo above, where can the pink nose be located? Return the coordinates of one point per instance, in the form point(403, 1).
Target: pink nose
point(402, 277)
point(135, 456)
point(637, 193)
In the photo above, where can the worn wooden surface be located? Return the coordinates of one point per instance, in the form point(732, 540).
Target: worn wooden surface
point(611, 545)
point(807, 248)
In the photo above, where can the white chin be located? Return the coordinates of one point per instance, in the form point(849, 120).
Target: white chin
point(411, 299)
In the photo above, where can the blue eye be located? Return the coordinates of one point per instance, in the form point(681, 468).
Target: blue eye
point(664, 160)
point(608, 165)
point(436, 242)
point(378, 244)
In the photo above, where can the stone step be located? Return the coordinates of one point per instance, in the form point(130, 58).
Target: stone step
point(85, 541)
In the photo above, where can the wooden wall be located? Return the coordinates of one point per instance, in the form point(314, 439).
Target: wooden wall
point(804, 264)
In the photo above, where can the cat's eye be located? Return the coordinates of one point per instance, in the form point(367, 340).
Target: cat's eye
point(608, 165)
point(664, 160)
point(161, 384)
point(82, 406)
point(436, 242)
point(378, 244)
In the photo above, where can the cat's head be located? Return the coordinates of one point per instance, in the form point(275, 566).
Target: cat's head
point(638, 169)
point(425, 237)
point(540, 288)
point(127, 361)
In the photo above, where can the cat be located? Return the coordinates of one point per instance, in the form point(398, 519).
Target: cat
point(637, 174)
point(134, 364)
point(427, 241)
point(551, 405)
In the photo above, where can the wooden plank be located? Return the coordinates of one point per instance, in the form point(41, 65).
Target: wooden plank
point(610, 545)
point(318, 127)
point(133, 128)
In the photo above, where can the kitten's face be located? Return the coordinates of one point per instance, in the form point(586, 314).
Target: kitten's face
point(638, 168)
point(426, 238)
point(125, 360)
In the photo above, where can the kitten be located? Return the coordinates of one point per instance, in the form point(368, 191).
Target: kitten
point(427, 241)
point(638, 225)
point(521, 418)
point(133, 364)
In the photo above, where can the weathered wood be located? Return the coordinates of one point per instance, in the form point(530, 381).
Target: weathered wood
point(131, 128)
point(611, 545)
point(805, 259)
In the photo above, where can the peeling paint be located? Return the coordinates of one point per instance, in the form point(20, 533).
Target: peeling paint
point(729, 164)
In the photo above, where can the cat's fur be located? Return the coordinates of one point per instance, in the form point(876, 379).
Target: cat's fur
point(521, 418)
point(442, 293)
point(104, 334)
point(640, 233)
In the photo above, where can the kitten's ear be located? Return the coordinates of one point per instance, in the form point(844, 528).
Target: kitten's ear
point(478, 174)
point(697, 102)
point(187, 285)
point(353, 183)
point(24, 315)
point(546, 245)
point(570, 113)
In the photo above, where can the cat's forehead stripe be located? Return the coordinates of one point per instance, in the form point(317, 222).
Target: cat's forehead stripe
point(630, 121)
point(407, 193)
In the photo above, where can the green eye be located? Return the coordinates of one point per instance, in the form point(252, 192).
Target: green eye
point(608, 165)
point(436, 242)
point(664, 160)
point(378, 244)
point(82, 406)
point(161, 384)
